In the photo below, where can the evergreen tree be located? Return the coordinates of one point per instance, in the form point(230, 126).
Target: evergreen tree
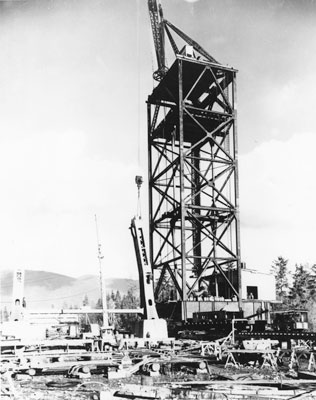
point(167, 290)
point(97, 318)
point(312, 283)
point(85, 300)
point(280, 271)
point(130, 300)
point(118, 299)
point(299, 293)
point(5, 314)
point(99, 303)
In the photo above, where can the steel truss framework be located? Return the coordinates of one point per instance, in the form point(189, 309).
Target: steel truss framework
point(193, 177)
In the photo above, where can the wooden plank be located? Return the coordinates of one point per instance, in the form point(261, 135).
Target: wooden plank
point(293, 382)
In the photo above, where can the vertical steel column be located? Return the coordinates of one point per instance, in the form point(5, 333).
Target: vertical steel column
point(150, 199)
point(182, 194)
point(236, 184)
point(196, 201)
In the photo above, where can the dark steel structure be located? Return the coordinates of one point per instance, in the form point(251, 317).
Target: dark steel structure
point(193, 176)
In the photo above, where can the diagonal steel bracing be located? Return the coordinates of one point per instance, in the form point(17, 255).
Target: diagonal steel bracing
point(193, 176)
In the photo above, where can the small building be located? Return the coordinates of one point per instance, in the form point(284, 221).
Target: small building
point(257, 285)
point(257, 292)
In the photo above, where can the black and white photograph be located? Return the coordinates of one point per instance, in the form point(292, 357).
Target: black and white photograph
point(157, 217)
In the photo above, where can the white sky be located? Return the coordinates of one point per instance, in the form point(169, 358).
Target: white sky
point(74, 78)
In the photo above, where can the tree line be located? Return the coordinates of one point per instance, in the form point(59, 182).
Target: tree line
point(115, 300)
point(297, 290)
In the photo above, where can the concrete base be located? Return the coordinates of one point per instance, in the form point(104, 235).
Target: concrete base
point(152, 329)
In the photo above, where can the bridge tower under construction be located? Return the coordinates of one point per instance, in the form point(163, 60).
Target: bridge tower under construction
point(193, 183)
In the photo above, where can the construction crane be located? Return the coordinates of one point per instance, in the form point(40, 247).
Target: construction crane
point(150, 326)
point(157, 26)
point(147, 301)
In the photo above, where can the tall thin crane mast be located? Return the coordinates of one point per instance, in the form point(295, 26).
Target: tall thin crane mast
point(102, 281)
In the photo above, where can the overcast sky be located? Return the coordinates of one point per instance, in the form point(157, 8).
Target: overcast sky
point(74, 77)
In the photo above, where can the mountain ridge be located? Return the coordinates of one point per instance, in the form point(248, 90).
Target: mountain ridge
point(44, 289)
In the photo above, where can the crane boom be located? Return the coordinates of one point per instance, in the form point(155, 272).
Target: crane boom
point(147, 300)
point(157, 26)
point(151, 326)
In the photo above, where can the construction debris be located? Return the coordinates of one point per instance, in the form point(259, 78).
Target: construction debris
point(183, 369)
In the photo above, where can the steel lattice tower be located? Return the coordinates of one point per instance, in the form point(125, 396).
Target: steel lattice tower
point(193, 180)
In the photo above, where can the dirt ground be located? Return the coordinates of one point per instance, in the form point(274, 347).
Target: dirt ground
point(49, 387)
point(58, 387)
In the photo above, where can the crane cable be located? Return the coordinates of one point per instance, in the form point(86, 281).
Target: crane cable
point(138, 178)
point(138, 80)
